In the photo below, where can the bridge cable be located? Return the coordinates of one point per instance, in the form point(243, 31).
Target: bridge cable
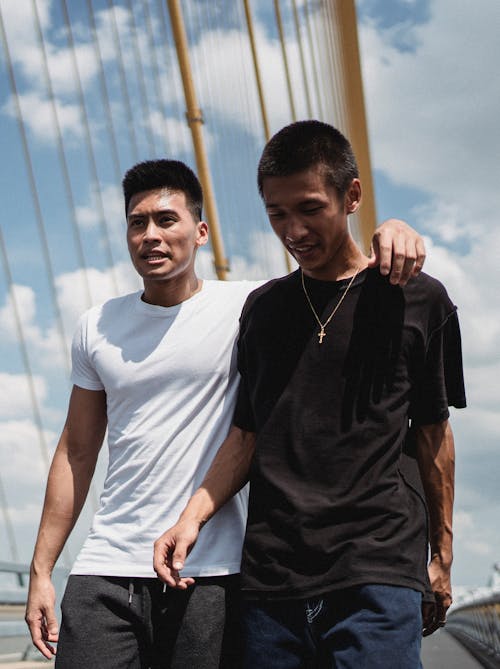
point(173, 73)
point(314, 60)
point(155, 66)
point(90, 152)
point(279, 24)
point(302, 58)
point(36, 199)
point(111, 132)
point(141, 79)
point(62, 158)
point(260, 93)
point(9, 528)
point(123, 82)
point(37, 416)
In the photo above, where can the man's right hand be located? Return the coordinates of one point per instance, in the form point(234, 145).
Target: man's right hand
point(40, 615)
point(171, 550)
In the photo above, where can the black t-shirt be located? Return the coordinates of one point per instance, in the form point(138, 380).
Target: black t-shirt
point(329, 507)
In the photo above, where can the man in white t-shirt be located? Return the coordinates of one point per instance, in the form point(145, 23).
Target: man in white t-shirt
point(156, 369)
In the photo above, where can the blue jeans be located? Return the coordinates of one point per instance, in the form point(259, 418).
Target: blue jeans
point(366, 627)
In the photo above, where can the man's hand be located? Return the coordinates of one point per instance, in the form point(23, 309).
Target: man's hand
point(435, 616)
point(171, 550)
point(398, 249)
point(40, 615)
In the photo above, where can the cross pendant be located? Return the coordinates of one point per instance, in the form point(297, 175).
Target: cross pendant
point(321, 335)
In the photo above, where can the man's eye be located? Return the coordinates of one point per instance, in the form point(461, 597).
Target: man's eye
point(311, 210)
point(135, 223)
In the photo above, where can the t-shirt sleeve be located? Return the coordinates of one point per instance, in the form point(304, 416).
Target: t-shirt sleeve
point(83, 373)
point(441, 381)
point(243, 416)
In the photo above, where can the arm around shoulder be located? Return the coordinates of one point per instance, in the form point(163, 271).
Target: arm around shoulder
point(68, 483)
point(398, 249)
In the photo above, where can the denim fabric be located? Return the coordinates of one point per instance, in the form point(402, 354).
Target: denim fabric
point(118, 623)
point(368, 627)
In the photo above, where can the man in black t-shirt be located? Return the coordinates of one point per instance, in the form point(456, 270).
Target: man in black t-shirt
point(336, 365)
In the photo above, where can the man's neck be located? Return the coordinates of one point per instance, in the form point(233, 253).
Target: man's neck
point(172, 291)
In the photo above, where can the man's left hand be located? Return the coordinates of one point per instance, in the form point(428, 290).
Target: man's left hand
point(398, 249)
point(434, 617)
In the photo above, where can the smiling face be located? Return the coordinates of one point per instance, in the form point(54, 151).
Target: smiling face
point(311, 221)
point(163, 237)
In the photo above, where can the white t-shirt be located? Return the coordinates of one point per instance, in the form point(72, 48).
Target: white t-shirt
point(170, 379)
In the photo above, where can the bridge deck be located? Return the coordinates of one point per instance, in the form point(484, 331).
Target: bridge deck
point(442, 651)
point(439, 651)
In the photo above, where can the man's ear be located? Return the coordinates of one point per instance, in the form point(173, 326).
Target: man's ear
point(352, 198)
point(202, 233)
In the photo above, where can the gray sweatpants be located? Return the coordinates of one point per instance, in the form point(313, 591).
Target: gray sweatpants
point(122, 623)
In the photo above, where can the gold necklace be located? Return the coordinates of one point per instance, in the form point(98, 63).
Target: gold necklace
point(322, 333)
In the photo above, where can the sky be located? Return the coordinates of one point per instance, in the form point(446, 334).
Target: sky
point(431, 92)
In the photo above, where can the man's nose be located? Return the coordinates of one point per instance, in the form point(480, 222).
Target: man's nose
point(296, 229)
point(151, 231)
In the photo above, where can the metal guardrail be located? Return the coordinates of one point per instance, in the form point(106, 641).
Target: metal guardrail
point(15, 641)
point(476, 625)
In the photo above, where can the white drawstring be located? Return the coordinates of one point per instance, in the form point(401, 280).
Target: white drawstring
point(130, 591)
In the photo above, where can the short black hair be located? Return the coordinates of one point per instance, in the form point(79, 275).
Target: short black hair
point(306, 144)
point(169, 174)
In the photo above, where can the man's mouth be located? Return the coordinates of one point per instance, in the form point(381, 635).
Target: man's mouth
point(301, 249)
point(155, 255)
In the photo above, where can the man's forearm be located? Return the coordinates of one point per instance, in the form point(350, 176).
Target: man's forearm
point(70, 475)
point(228, 473)
point(67, 488)
point(436, 461)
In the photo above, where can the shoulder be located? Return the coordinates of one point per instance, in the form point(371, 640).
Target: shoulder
point(429, 294)
point(271, 293)
point(110, 309)
point(423, 303)
point(423, 290)
point(428, 285)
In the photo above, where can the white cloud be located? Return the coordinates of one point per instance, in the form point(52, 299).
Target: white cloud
point(432, 118)
point(88, 215)
point(33, 88)
point(469, 279)
point(433, 108)
point(20, 29)
point(22, 300)
point(477, 545)
point(24, 452)
point(38, 114)
point(23, 478)
point(15, 399)
point(71, 293)
point(463, 522)
point(44, 344)
point(232, 93)
point(175, 133)
point(266, 260)
point(25, 514)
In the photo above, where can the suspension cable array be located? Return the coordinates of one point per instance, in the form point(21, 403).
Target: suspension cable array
point(115, 82)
